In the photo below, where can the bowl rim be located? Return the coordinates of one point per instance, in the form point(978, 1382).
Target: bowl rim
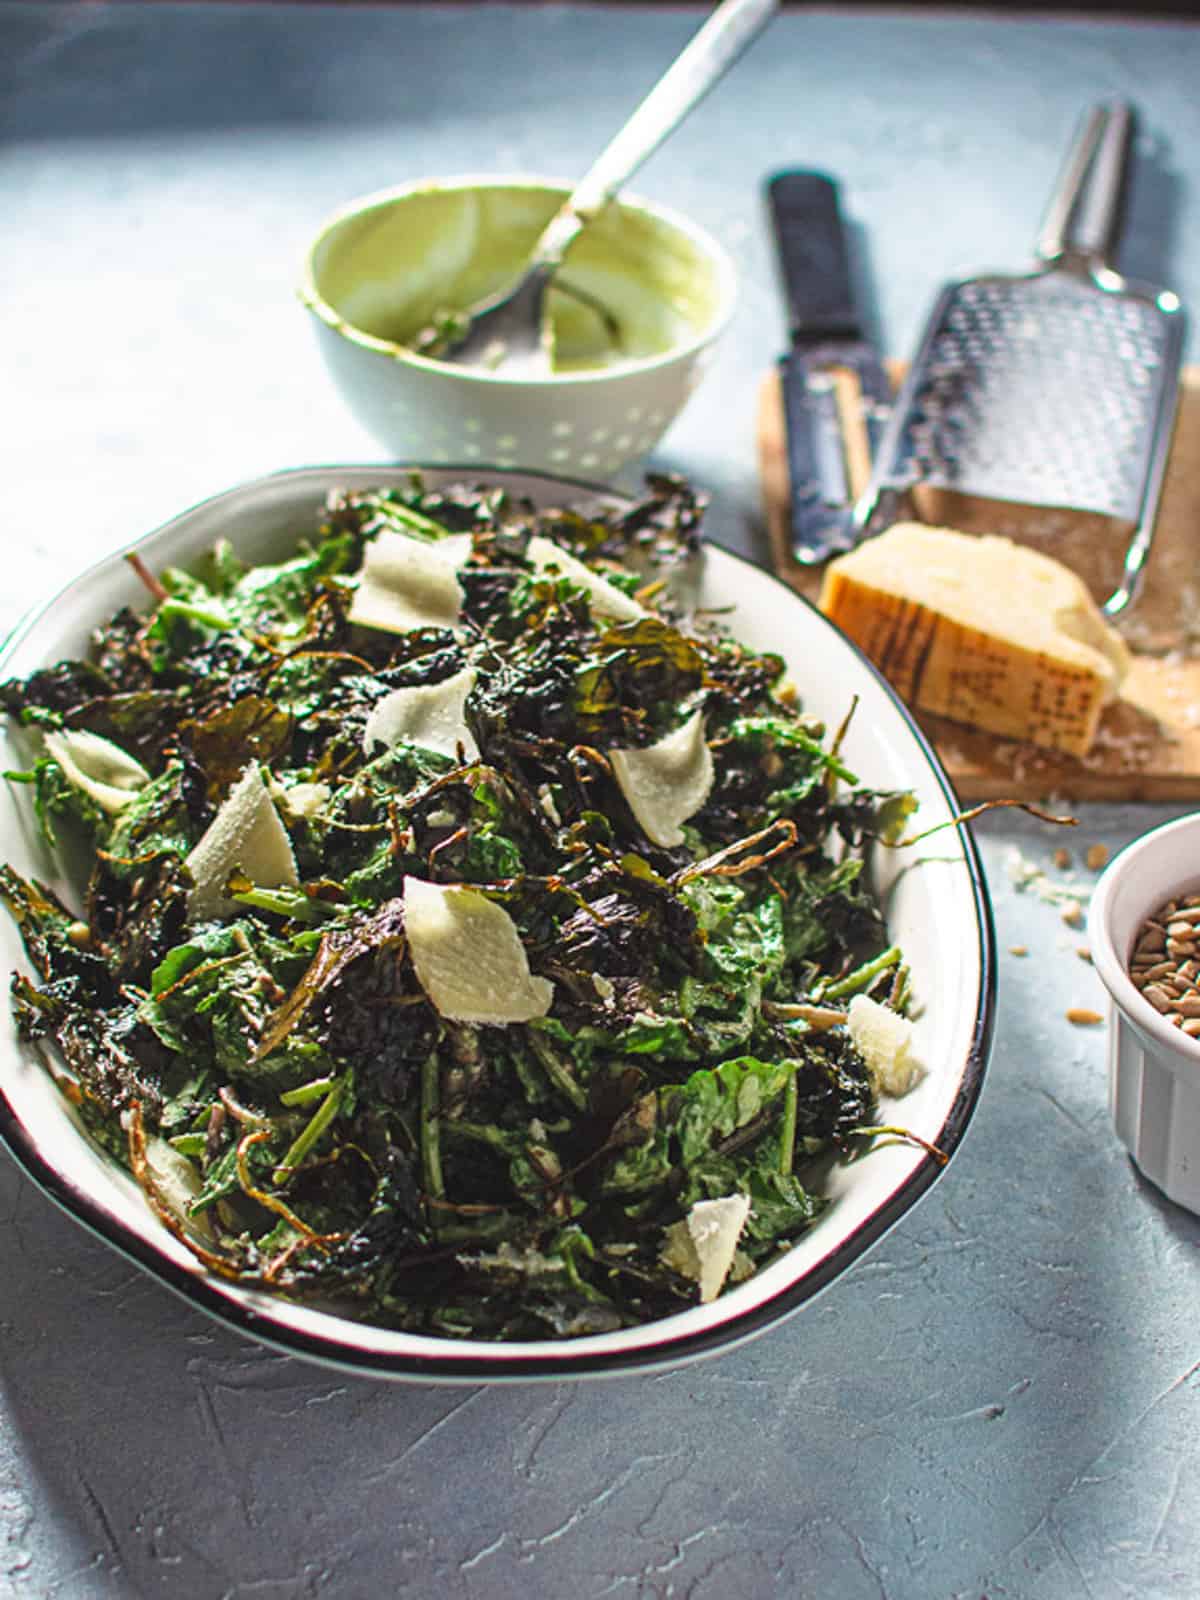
point(554, 1360)
point(704, 242)
point(1111, 964)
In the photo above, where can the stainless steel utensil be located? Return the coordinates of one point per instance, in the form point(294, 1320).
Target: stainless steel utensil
point(1054, 389)
point(506, 330)
point(827, 340)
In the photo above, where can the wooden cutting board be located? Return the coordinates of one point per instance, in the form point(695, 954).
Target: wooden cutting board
point(1148, 747)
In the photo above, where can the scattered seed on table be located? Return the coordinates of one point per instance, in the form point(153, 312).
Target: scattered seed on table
point(1082, 1017)
point(1018, 949)
point(1062, 858)
point(1097, 857)
point(1072, 913)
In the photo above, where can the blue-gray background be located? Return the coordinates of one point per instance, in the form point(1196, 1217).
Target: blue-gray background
point(999, 1400)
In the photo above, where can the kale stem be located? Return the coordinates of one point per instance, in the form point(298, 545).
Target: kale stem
point(862, 977)
point(285, 903)
point(214, 616)
point(831, 768)
point(876, 1130)
point(557, 1070)
point(413, 520)
point(309, 1134)
point(787, 1132)
point(431, 1149)
point(147, 577)
point(307, 1091)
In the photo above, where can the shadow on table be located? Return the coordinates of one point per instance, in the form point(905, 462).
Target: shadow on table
point(77, 70)
point(939, 1415)
point(157, 1452)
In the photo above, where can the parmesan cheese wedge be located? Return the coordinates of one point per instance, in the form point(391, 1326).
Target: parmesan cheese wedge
point(980, 630)
point(105, 772)
point(245, 834)
point(668, 782)
point(468, 956)
point(884, 1039)
point(704, 1244)
point(428, 714)
point(606, 599)
point(410, 583)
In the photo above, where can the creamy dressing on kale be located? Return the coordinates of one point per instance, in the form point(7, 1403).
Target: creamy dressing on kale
point(339, 1138)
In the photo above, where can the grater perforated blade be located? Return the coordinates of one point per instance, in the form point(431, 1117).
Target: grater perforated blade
point(1053, 389)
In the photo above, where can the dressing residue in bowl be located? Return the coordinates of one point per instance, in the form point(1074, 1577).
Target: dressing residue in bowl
point(393, 270)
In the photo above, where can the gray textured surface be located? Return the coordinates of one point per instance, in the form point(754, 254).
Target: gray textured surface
point(1001, 1399)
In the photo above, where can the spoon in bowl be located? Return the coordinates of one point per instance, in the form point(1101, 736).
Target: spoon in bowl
point(506, 332)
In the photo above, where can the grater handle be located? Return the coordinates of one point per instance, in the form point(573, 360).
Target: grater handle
point(1084, 214)
point(1097, 224)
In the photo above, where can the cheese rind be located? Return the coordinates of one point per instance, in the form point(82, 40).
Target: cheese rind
point(410, 583)
point(667, 782)
point(245, 834)
point(427, 714)
point(980, 630)
point(468, 956)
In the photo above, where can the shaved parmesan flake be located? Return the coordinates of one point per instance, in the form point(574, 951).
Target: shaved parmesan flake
point(300, 799)
point(97, 766)
point(704, 1244)
point(883, 1039)
point(177, 1182)
point(607, 600)
point(668, 782)
point(468, 956)
point(245, 834)
point(428, 714)
point(410, 583)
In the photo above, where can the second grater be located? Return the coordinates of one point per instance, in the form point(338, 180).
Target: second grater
point(1055, 388)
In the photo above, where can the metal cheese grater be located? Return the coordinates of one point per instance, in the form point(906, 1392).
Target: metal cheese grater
point(1054, 389)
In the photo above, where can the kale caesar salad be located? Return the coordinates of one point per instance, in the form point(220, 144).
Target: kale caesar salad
point(469, 936)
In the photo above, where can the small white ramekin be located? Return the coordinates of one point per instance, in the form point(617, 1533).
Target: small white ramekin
point(1153, 1068)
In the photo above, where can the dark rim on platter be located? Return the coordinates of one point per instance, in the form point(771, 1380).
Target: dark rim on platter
point(657, 1348)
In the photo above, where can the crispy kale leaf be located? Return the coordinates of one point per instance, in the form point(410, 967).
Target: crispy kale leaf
point(344, 1139)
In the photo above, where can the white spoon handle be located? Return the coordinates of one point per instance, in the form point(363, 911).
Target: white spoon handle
point(708, 56)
